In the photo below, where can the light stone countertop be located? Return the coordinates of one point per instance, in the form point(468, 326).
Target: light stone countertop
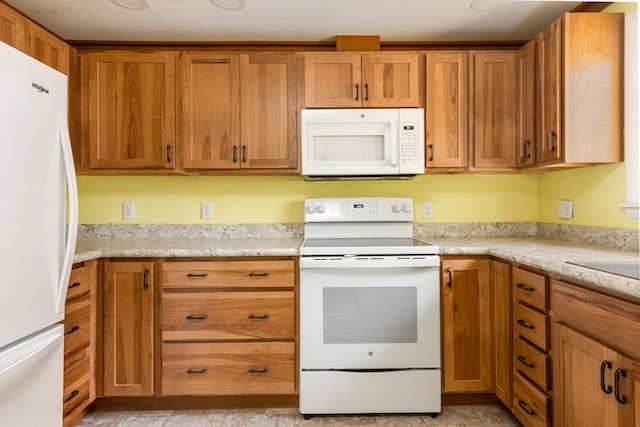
point(548, 255)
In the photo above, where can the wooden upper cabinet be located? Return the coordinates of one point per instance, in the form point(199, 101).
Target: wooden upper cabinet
point(493, 110)
point(13, 28)
point(446, 110)
point(239, 111)
point(268, 106)
point(47, 48)
point(580, 90)
point(526, 105)
point(353, 80)
point(130, 101)
point(210, 110)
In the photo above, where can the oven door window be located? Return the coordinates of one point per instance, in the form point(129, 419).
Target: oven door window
point(360, 315)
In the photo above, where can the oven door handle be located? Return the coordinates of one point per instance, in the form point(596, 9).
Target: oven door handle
point(408, 261)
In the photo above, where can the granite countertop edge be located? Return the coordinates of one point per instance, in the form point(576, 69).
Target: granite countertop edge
point(548, 255)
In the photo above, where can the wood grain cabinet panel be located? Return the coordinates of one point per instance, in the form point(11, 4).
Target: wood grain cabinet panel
point(353, 79)
point(493, 117)
point(13, 27)
point(531, 288)
point(128, 103)
point(47, 48)
point(580, 90)
point(128, 328)
point(228, 369)
point(526, 105)
point(501, 329)
point(466, 319)
point(239, 111)
point(228, 315)
point(447, 88)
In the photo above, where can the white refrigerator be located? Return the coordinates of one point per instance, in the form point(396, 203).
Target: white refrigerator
point(38, 227)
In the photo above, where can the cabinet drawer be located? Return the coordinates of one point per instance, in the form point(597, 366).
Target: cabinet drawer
point(533, 363)
point(77, 324)
point(531, 288)
point(228, 315)
point(80, 280)
point(530, 405)
point(227, 274)
point(228, 368)
point(76, 381)
point(531, 325)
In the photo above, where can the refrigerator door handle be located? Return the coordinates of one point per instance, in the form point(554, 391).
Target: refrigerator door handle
point(24, 362)
point(72, 228)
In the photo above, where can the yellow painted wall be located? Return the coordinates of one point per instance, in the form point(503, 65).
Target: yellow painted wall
point(596, 193)
point(249, 200)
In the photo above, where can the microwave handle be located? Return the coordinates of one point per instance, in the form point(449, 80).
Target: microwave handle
point(393, 161)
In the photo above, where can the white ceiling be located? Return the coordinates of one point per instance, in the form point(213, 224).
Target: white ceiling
point(289, 20)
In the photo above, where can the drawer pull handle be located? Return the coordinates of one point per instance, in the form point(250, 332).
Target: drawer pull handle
point(523, 360)
point(266, 274)
point(450, 273)
point(524, 324)
point(620, 373)
point(258, 371)
point(197, 275)
point(73, 394)
point(523, 405)
point(145, 282)
point(604, 366)
point(197, 371)
point(72, 330)
point(253, 316)
point(197, 317)
point(525, 287)
point(74, 285)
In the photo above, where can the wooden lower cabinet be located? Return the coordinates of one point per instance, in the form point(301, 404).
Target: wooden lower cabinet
point(242, 368)
point(128, 328)
point(501, 329)
point(466, 325)
point(229, 327)
point(595, 358)
point(79, 342)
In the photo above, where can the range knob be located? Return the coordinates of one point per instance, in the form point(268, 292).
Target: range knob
point(311, 209)
point(320, 209)
point(406, 208)
point(395, 209)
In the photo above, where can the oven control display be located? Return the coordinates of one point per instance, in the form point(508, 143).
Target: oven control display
point(359, 208)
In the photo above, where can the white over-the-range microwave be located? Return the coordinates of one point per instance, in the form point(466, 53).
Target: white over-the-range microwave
point(350, 143)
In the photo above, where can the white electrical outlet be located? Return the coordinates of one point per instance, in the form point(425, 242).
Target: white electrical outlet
point(206, 210)
point(128, 210)
point(565, 209)
point(427, 210)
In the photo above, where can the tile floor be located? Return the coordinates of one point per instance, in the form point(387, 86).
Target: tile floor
point(469, 416)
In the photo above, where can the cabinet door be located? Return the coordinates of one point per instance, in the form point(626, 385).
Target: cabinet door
point(494, 110)
point(210, 111)
point(128, 328)
point(268, 111)
point(526, 105)
point(466, 320)
point(12, 28)
point(131, 105)
point(585, 373)
point(47, 48)
point(549, 102)
point(390, 80)
point(501, 329)
point(446, 110)
point(332, 80)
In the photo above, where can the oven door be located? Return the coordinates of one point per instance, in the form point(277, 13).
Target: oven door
point(361, 313)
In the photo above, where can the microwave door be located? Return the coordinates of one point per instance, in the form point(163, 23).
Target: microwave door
point(350, 149)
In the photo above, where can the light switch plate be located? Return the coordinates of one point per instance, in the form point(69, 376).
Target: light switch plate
point(565, 209)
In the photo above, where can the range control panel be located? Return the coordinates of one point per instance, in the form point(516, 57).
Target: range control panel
point(363, 209)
